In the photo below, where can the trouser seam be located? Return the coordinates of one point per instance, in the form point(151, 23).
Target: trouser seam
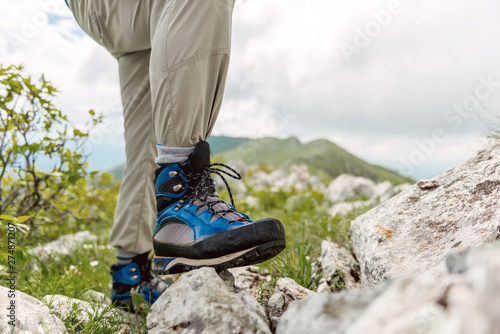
point(198, 57)
point(141, 217)
point(169, 81)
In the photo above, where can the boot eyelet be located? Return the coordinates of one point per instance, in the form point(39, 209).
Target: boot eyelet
point(172, 173)
point(177, 187)
point(133, 270)
point(135, 277)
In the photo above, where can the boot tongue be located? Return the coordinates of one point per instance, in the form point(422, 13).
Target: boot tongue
point(200, 158)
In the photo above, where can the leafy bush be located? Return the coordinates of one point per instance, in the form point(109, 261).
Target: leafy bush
point(60, 196)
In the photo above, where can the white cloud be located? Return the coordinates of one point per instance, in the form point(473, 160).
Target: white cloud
point(286, 57)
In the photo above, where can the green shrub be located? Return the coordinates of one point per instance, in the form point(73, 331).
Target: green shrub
point(63, 196)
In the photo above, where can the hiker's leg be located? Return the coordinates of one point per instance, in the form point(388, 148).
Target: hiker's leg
point(191, 42)
point(123, 28)
point(135, 210)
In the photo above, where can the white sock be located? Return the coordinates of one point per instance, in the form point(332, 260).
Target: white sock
point(124, 257)
point(169, 155)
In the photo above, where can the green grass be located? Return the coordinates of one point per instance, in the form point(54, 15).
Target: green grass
point(74, 274)
point(303, 213)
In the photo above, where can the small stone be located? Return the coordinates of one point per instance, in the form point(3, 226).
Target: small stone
point(427, 184)
point(339, 263)
point(285, 292)
point(249, 278)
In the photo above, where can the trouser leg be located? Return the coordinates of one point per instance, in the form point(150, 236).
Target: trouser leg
point(135, 211)
point(122, 27)
point(191, 42)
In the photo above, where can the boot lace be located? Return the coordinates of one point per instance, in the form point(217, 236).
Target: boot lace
point(201, 191)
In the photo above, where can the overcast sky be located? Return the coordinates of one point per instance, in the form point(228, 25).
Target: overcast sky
point(398, 83)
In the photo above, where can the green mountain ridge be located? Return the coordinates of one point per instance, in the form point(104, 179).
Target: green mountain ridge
point(322, 157)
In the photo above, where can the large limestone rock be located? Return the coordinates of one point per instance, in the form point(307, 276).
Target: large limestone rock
point(347, 186)
point(415, 230)
point(202, 302)
point(326, 313)
point(31, 315)
point(465, 301)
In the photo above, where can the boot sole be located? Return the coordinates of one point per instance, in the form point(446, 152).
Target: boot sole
point(254, 255)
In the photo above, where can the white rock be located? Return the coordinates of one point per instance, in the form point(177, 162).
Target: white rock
point(472, 302)
point(409, 305)
point(240, 166)
point(336, 261)
point(32, 316)
point(344, 208)
point(64, 245)
point(96, 297)
point(285, 292)
point(297, 176)
point(326, 312)
point(249, 278)
point(465, 302)
point(64, 306)
point(82, 310)
point(347, 186)
point(383, 191)
point(252, 201)
point(415, 230)
point(200, 301)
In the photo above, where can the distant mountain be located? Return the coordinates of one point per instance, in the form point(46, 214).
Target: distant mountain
point(323, 158)
point(218, 144)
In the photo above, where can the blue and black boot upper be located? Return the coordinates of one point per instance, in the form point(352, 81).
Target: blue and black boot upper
point(138, 273)
point(195, 228)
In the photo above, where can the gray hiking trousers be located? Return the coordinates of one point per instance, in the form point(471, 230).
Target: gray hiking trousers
point(173, 57)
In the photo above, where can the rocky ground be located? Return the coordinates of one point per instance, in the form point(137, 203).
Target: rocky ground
point(425, 260)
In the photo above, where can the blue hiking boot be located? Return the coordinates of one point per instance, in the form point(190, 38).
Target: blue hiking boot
point(135, 274)
point(195, 228)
